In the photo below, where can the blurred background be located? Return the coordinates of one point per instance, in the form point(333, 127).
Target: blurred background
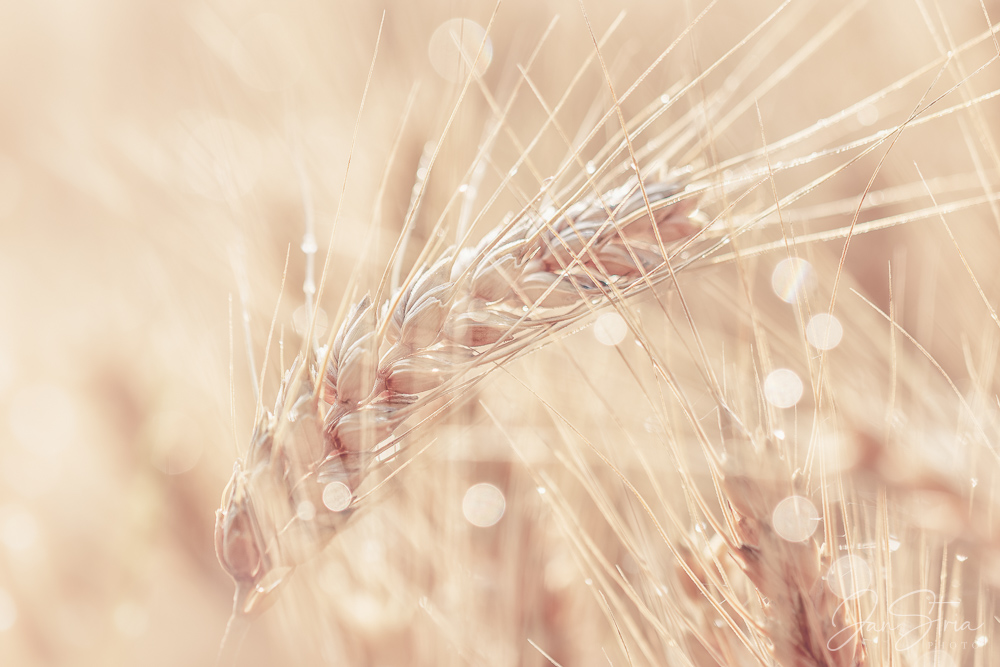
point(150, 187)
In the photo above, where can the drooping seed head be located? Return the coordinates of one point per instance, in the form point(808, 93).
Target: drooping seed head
point(237, 539)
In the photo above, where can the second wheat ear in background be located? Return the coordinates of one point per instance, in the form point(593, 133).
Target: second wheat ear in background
point(417, 354)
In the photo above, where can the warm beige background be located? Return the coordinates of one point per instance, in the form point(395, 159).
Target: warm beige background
point(116, 246)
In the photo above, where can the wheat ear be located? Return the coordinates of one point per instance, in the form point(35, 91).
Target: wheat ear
point(472, 310)
point(802, 616)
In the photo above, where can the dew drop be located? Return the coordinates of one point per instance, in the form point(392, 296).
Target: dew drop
point(301, 318)
point(541, 490)
point(309, 245)
point(791, 276)
point(783, 388)
point(306, 511)
point(591, 167)
point(824, 331)
point(848, 576)
point(453, 48)
point(664, 99)
point(337, 496)
point(868, 115)
point(795, 519)
point(961, 558)
point(483, 505)
point(779, 434)
point(610, 329)
point(463, 187)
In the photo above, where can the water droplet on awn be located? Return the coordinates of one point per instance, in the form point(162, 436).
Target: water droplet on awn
point(795, 519)
point(454, 46)
point(610, 329)
point(790, 277)
point(783, 388)
point(824, 331)
point(483, 505)
point(336, 496)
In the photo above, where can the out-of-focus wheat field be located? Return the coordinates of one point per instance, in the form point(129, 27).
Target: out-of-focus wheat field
point(152, 162)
